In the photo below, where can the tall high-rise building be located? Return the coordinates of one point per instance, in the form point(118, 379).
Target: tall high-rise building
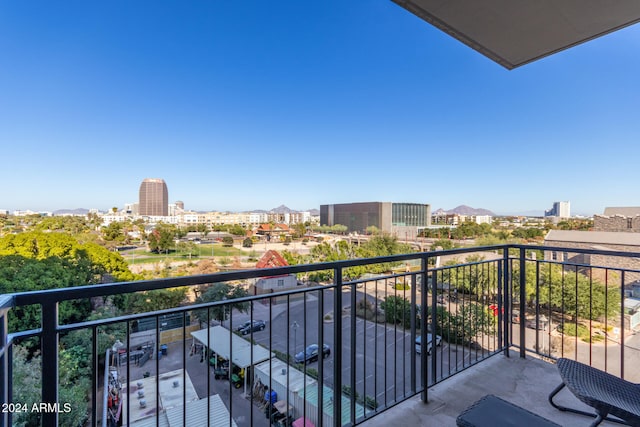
point(559, 209)
point(154, 198)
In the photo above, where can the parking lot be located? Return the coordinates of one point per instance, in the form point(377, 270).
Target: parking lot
point(376, 357)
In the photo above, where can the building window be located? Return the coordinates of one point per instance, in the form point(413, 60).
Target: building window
point(554, 256)
point(565, 256)
point(629, 222)
point(280, 282)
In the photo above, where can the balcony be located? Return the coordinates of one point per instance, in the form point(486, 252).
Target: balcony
point(215, 364)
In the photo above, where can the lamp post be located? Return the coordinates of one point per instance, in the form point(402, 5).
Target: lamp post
point(295, 326)
point(224, 311)
point(115, 349)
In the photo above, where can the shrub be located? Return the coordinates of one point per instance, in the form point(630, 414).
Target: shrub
point(247, 243)
point(370, 402)
point(399, 286)
point(570, 329)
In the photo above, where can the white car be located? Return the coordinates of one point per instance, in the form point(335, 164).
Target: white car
point(429, 343)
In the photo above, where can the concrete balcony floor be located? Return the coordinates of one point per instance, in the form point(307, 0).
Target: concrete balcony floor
point(524, 382)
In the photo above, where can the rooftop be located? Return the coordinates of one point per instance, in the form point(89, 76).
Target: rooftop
point(598, 237)
point(624, 211)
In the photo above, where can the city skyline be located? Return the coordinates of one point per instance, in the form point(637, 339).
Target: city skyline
point(246, 106)
point(128, 206)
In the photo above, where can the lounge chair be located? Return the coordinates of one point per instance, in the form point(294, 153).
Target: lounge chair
point(606, 393)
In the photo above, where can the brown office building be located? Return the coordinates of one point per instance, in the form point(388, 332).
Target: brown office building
point(154, 198)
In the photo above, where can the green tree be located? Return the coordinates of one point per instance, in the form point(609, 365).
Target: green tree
point(38, 261)
point(247, 242)
point(576, 224)
point(162, 238)
point(339, 229)
point(294, 258)
point(382, 245)
point(221, 292)
point(203, 229)
point(237, 230)
point(20, 274)
point(397, 310)
point(372, 229)
point(27, 380)
point(227, 241)
point(577, 295)
point(106, 335)
point(443, 243)
point(299, 230)
point(70, 224)
point(473, 319)
point(475, 279)
point(528, 233)
point(114, 232)
point(188, 248)
point(159, 299)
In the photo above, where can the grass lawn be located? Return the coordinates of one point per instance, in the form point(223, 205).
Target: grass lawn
point(204, 251)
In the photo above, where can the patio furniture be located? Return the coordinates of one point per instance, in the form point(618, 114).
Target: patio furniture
point(606, 393)
point(491, 411)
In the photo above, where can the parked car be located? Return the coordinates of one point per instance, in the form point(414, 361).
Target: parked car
point(515, 316)
point(429, 342)
point(542, 324)
point(310, 354)
point(475, 345)
point(251, 326)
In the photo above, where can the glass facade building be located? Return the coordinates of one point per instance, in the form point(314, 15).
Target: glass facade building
point(388, 217)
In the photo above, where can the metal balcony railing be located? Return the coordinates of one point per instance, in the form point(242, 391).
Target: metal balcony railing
point(369, 319)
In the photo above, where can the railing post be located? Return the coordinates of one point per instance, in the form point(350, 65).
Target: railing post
point(320, 360)
point(337, 343)
point(503, 330)
point(523, 284)
point(504, 271)
point(424, 367)
point(412, 358)
point(5, 364)
point(622, 346)
point(49, 344)
point(353, 344)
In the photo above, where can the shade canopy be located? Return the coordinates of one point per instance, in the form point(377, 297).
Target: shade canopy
point(232, 347)
point(516, 32)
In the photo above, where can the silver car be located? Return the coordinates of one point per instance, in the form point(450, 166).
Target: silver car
point(429, 342)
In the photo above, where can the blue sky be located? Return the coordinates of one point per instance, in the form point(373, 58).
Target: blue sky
point(253, 104)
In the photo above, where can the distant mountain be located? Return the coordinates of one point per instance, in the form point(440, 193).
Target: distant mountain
point(79, 211)
point(282, 209)
point(465, 210)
